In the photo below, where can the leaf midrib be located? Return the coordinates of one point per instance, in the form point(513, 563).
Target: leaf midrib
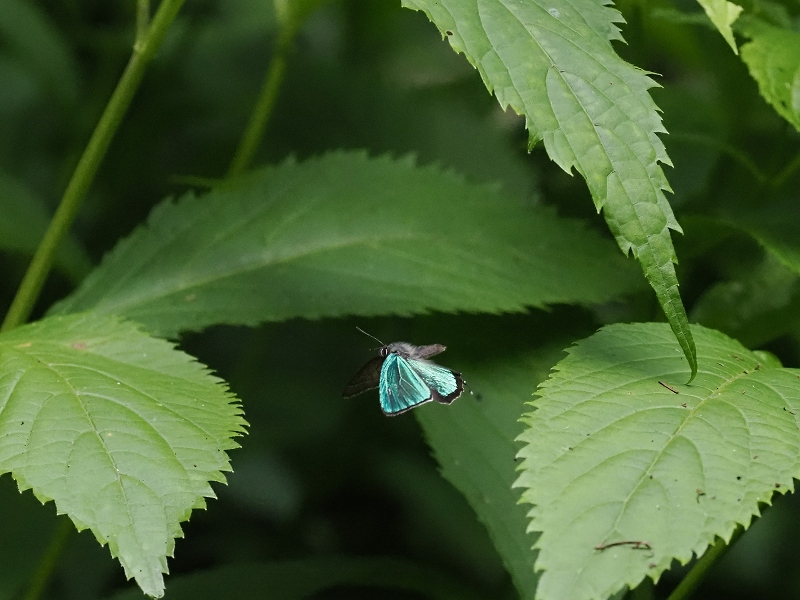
point(65, 381)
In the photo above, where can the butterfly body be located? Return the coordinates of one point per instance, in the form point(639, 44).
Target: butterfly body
point(405, 378)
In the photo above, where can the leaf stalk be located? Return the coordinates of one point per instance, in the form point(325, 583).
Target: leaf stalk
point(144, 50)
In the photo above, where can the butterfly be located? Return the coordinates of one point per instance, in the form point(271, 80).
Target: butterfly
point(405, 378)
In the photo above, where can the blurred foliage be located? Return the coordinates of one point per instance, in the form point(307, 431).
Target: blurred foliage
point(317, 475)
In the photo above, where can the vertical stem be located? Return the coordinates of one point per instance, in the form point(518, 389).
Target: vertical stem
point(254, 131)
point(143, 51)
point(142, 20)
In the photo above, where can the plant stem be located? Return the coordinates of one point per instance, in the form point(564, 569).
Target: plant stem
point(254, 131)
point(142, 19)
point(143, 51)
point(49, 560)
point(696, 574)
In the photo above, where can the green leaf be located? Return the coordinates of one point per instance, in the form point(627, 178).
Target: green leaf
point(773, 58)
point(722, 15)
point(121, 430)
point(345, 234)
point(553, 63)
point(23, 220)
point(614, 455)
point(301, 579)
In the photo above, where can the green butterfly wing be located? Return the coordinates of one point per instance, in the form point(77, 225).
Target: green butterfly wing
point(445, 385)
point(401, 389)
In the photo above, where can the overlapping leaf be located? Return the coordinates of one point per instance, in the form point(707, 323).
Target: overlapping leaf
point(773, 58)
point(345, 234)
point(620, 452)
point(122, 431)
point(553, 63)
point(722, 14)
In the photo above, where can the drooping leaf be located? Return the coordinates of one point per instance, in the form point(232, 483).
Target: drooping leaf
point(628, 469)
point(301, 579)
point(121, 430)
point(553, 63)
point(23, 220)
point(773, 57)
point(722, 14)
point(345, 234)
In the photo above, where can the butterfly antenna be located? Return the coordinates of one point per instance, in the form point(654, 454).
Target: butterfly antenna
point(370, 335)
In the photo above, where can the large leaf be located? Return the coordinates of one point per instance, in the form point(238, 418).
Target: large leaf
point(615, 456)
point(345, 234)
point(553, 63)
point(122, 431)
point(301, 579)
point(722, 14)
point(773, 58)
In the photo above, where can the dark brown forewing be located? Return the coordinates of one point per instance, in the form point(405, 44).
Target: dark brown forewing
point(452, 395)
point(427, 351)
point(367, 378)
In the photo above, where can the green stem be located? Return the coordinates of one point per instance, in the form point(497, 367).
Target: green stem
point(142, 20)
point(254, 131)
point(696, 574)
point(49, 560)
point(143, 51)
